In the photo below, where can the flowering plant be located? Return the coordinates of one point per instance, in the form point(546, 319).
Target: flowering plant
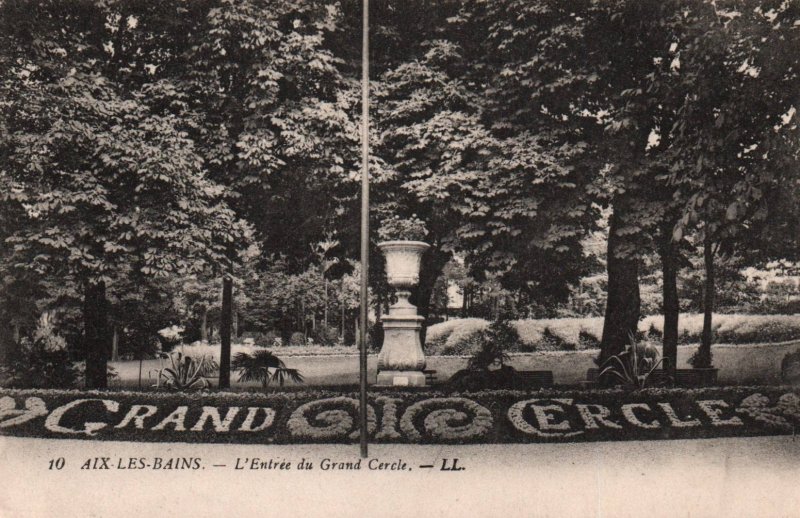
point(395, 228)
point(171, 334)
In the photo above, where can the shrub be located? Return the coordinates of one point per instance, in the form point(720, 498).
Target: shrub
point(503, 334)
point(700, 359)
point(375, 335)
point(297, 338)
point(757, 328)
point(323, 335)
point(790, 367)
point(552, 342)
point(587, 340)
point(44, 361)
point(263, 366)
point(585, 333)
point(171, 336)
point(490, 352)
point(455, 337)
point(268, 339)
point(634, 366)
point(37, 366)
point(186, 372)
point(653, 333)
point(436, 344)
point(468, 345)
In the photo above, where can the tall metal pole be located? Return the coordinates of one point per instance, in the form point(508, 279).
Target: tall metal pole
point(362, 408)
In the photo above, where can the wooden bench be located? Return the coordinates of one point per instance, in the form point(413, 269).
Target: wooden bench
point(531, 379)
point(430, 376)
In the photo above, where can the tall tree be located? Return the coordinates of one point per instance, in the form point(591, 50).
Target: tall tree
point(104, 182)
point(735, 140)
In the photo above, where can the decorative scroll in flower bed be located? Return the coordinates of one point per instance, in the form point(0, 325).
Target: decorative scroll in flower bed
point(446, 419)
point(412, 417)
point(329, 419)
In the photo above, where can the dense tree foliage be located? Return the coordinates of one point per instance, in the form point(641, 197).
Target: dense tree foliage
point(147, 148)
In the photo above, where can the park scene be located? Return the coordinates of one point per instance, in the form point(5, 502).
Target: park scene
point(583, 220)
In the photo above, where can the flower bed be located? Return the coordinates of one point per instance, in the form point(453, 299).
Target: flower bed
point(404, 417)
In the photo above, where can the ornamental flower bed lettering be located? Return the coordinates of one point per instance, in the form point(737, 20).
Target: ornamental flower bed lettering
point(410, 417)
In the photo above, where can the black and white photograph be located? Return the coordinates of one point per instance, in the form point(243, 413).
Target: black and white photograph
point(343, 258)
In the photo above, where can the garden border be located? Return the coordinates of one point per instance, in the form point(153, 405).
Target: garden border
point(416, 417)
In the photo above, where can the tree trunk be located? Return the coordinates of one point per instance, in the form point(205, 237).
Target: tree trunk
point(623, 303)
point(96, 335)
point(358, 332)
point(17, 334)
point(8, 347)
point(204, 326)
point(235, 324)
point(115, 345)
point(303, 319)
point(671, 308)
point(704, 352)
point(343, 322)
point(433, 263)
point(225, 334)
point(325, 301)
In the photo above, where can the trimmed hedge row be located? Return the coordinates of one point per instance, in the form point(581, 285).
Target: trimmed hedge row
point(459, 336)
point(401, 417)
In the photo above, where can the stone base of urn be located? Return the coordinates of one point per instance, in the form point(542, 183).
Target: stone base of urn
point(401, 360)
point(400, 379)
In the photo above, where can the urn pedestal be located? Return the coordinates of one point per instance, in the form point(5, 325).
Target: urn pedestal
point(401, 360)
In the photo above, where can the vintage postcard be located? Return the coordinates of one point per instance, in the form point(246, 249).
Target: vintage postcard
point(399, 257)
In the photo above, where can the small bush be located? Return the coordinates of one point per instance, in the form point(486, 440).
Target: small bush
point(325, 335)
point(44, 361)
point(587, 340)
point(735, 329)
point(268, 339)
point(186, 373)
point(489, 353)
point(502, 333)
point(375, 335)
point(552, 342)
point(297, 338)
point(37, 366)
point(653, 333)
point(584, 333)
point(790, 368)
point(436, 344)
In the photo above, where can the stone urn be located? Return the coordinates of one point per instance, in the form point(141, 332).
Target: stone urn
point(401, 360)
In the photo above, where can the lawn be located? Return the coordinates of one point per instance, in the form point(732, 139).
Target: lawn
point(737, 364)
point(754, 348)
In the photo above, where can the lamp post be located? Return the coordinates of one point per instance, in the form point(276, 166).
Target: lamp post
point(362, 407)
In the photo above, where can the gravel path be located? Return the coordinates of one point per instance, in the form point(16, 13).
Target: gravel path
point(733, 477)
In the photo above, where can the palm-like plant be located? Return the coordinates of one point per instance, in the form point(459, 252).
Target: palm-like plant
point(634, 366)
point(263, 366)
point(491, 352)
point(185, 372)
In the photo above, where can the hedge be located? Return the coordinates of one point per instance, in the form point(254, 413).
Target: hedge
point(457, 336)
point(401, 417)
